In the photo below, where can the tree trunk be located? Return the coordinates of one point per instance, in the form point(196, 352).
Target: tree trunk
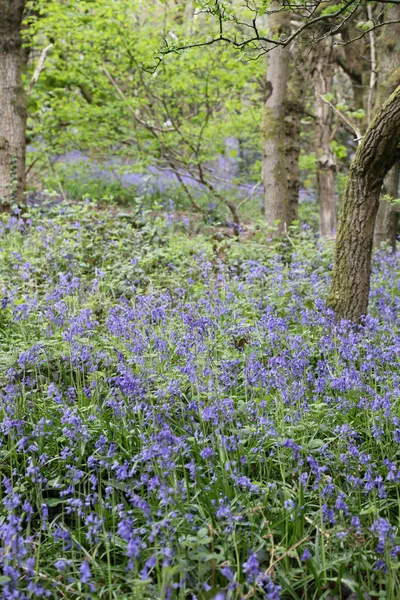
point(292, 145)
point(388, 47)
point(387, 217)
point(294, 111)
point(323, 74)
point(12, 103)
point(273, 131)
point(375, 156)
point(353, 60)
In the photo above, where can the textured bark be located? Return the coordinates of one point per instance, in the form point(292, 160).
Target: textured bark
point(387, 218)
point(323, 76)
point(388, 47)
point(378, 152)
point(273, 132)
point(12, 100)
point(294, 111)
point(354, 59)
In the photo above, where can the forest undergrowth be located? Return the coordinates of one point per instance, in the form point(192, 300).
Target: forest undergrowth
point(184, 418)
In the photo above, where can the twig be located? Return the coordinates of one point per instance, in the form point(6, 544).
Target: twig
point(186, 189)
point(271, 566)
point(272, 552)
point(63, 194)
point(256, 38)
point(46, 578)
point(372, 79)
point(39, 69)
point(321, 531)
point(253, 189)
point(344, 118)
point(358, 37)
point(133, 111)
point(230, 205)
point(28, 170)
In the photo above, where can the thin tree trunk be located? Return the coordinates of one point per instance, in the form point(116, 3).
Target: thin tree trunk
point(388, 47)
point(12, 103)
point(387, 218)
point(292, 144)
point(273, 131)
point(375, 156)
point(294, 111)
point(323, 74)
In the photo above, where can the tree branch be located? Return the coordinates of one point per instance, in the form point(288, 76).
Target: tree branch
point(343, 118)
point(376, 26)
point(352, 73)
point(373, 75)
point(257, 37)
point(149, 126)
point(186, 189)
point(39, 69)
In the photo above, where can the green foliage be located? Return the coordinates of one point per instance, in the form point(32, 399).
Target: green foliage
point(395, 202)
point(308, 167)
point(358, 114)
point(340, 150)
point(99, 94)
point(308, 161)
point(365, 25)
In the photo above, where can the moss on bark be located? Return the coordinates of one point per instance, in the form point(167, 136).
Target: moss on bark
point(375, 156)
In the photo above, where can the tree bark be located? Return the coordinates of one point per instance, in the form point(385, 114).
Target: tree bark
point(387, 217)
point(273, 131)
point(323, 75)
point(12, 103)
point(388, 47)
point(375, 156)
point(294, 111)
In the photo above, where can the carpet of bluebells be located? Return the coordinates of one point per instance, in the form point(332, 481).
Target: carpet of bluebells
point(177, 425)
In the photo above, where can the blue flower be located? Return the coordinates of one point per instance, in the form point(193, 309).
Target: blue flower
point(86, 574)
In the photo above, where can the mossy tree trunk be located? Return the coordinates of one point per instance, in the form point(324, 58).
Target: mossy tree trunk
point(323, 77)
point(294, 111)
point(273, 131)
point(377, 153)
point(12, 101)
point(388, 46)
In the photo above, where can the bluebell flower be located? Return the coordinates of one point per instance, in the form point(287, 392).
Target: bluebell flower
point(306, 555)
point(86, 574)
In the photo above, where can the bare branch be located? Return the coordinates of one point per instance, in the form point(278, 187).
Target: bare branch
point(39, 69)
point(186, 189)
point(367, 31)
point(344, 119)
point(347, 68)
point(258, 38)
point(373, 75)
point(254, 188)
point(149, 126)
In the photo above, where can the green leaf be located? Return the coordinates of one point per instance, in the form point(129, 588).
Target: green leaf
point(203, 532)
point(56, 501)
